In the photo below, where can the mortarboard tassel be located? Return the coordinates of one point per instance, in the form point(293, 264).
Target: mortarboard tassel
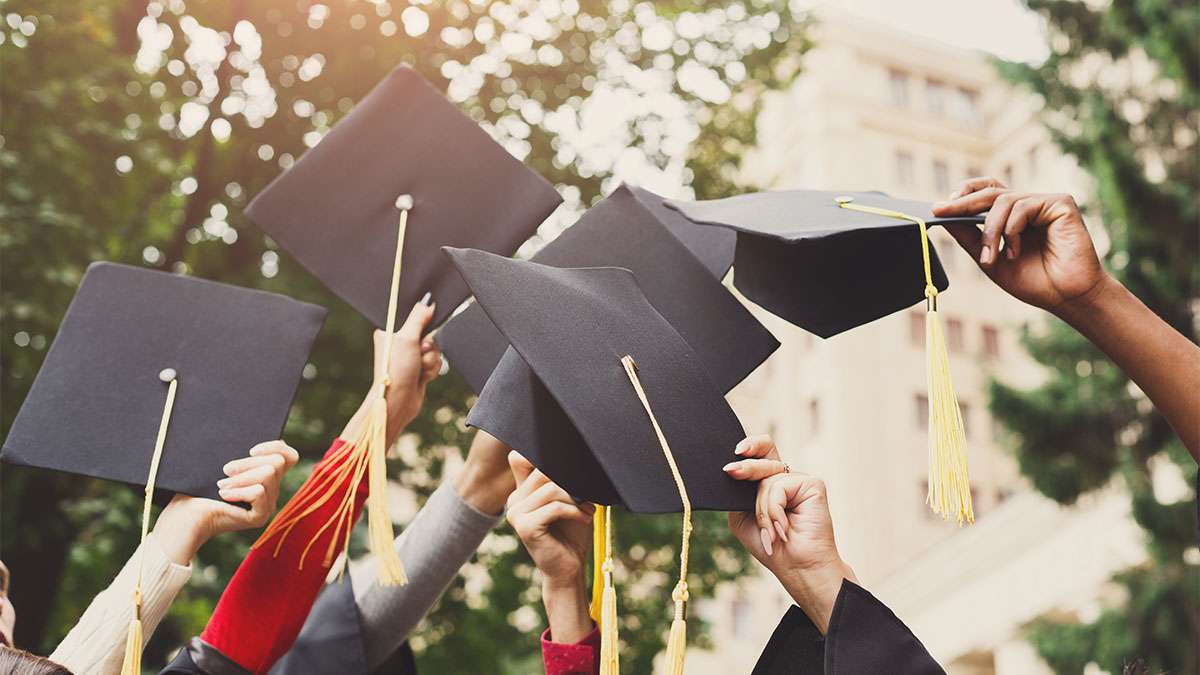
point(677, 640)
point(949, 492)
point(132, 663)
point(599, 523)
point(365, 453)
point(610, 660)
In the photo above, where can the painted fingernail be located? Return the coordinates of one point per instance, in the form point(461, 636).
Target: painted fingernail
point(224, 493)
point(740, 448)
point(766, 541)
point(732, 466)
point(224, 482)
point(985, 256)
point(782, 532)
point(425, 298)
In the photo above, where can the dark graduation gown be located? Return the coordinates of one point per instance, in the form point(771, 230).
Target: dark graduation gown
point(864, 637)
point(330, 643)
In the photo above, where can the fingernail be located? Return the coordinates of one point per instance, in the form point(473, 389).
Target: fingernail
point(425, 298)
point(766, 541)
point(938, 205)
point(953, 195)
point(223, 493)
point(223, 482)
point(782, 532)
point(985, 256)
point(741, 447)
point(732, 466)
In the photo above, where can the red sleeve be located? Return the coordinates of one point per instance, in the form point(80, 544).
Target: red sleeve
point(262, 610)
point(580, 658)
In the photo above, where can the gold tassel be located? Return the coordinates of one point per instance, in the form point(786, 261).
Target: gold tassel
point(365, 453)
point(949, 492)
point(677, 640)
point(132, 664)
point(598, 529)
point(610, 659)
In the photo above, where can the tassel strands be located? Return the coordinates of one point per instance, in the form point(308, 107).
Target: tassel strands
point(132, 662)
point(677, 639)
point(609, 642)
point(364, 454)
point(599, 527)
point(949, 492)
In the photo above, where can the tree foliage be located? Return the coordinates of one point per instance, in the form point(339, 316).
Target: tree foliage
point(137, 132)
point(1122, 95)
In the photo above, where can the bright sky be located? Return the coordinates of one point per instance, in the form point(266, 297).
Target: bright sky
point(1005, 28)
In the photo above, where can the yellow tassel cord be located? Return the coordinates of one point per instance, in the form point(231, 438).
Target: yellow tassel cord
point(677, 640)
point(610, 660)
point(132, 663)
point(365, 453)
point(949, 492)
point(599, 523)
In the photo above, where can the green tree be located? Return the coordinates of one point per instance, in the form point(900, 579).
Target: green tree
point(1134, 130)
point(137, 131)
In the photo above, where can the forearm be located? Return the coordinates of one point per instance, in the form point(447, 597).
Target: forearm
point(567, 603)
point(443, 537)
point(1161, 361)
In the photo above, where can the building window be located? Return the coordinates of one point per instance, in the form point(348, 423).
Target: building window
point(991, 342)
point(904, 168)
point(916, 329)
point(966, 106)
point(898, 85)
point(921, 409)
point(955, 340)
point(814, 416)
point(974, 172)
point(941, 177)
point(935, 96)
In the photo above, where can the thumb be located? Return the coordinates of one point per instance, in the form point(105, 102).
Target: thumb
point(520, 466)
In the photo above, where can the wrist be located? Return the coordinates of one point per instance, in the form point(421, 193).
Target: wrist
point(485, 484)
point(815, 588)
point(567, 605)
point(1085, 309)
point(179, 542)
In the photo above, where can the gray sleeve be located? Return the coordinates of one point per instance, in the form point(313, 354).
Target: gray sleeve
point(443, 537)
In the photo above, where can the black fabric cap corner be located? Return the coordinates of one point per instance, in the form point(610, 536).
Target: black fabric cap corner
point(94, 408)
point(822, 267)
point(336, 212)
point(626, 229)
point(598, 316)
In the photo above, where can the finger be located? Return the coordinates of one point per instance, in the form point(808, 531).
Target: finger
point(1024, 213)
point(968, 237)
point(254, 476)
point(976, 184)
point(548, 514)
point(762, 514)
point(755, 469)
point(969, 204)
point(237, 466)
point(993, 227)
point(777, 499)
point(289, 454)
point(545, 493)
point(431, 364)
point(245, 494)
point(417, 320)
point(762, 446)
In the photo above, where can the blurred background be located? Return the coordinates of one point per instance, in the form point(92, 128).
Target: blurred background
point(137, 132)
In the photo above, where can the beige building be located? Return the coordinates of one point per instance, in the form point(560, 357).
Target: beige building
point(878, 109)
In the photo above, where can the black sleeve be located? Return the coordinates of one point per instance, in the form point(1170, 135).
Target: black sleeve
point(864, 637)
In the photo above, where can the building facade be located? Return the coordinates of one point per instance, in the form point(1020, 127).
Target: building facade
point(880, 110)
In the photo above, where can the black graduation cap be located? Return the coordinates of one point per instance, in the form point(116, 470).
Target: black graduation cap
point(677, 264)
point(403, 147)
point(572, 327)
point(97, 404)
point(804, 257)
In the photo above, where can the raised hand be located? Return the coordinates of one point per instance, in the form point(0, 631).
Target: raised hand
point(1048, 259)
